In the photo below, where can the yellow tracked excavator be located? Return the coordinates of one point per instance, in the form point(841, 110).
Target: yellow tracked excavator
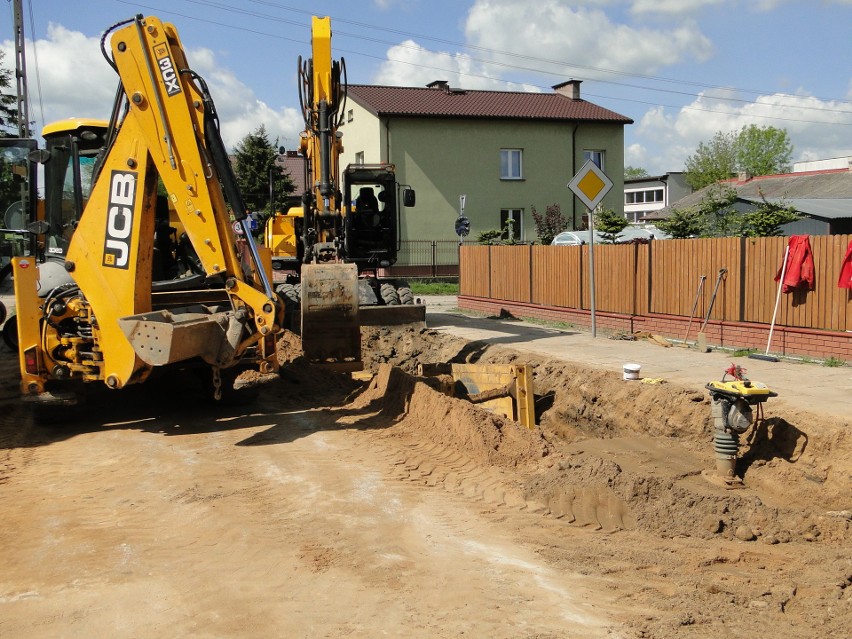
point(139, 266)
point(334, 244)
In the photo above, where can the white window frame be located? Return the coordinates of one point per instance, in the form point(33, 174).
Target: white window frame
point(597, 156)
point(645, 196)
point(359, 157)
point(518, 216)
point(350, 115)
point(507, 165)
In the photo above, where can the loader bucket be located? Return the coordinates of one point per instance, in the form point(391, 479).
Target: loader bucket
point(330, 329)
point(166, 337)
point(408, 315)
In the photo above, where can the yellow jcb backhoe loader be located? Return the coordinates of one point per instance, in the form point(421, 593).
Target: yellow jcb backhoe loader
point(124, 288)
point(333, 245)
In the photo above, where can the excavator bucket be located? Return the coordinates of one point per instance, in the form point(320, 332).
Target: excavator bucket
point(330, 325)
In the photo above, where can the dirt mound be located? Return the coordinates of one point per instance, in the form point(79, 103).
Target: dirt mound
point(625, 454)
point(418, 409)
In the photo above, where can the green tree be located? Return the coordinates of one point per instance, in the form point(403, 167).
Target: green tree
point(609, 224)
point(763, 150)
point(634, 172)
point(682, 224)
point(768, 218)
point(719, 217)
point(712, 161)
point(489, 237)
point(753, 149)
point(550, 224)
point(8, 103)
point(255, 166)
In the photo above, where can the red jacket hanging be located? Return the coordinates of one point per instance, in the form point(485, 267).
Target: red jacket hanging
point(845, 280)
point(800, 265)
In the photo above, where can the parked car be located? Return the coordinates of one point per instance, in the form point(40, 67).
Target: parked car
point(575, 238)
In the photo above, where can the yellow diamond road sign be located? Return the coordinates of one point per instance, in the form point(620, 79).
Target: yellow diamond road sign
point(590, 184)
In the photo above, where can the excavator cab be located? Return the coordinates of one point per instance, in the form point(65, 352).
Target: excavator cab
point(71, 151)
point(17, 198)
point(372, 219)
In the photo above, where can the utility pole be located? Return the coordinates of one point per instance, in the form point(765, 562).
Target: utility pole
point(21, 71)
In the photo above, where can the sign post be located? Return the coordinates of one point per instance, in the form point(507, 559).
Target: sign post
point(462, 223)
point(590, 184)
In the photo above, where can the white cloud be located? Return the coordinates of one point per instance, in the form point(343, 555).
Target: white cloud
point(409, 64)
point(240, 112)
point(672, 7)
point(816, 127)
point(584, 36)
point(76, 81)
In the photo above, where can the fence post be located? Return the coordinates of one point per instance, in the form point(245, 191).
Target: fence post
point(743, 274)
point(531, 273)
point(489, 272)
point(649, 288)
point(434, 259)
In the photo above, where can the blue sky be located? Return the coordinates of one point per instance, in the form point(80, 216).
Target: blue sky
point(681, 69)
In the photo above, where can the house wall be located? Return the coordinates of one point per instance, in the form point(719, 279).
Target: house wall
point(363, 133)
point(806, 226)
point(445, 158)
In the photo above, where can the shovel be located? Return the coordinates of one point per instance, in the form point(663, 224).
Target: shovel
point(702, 337)
point(694, 306)
point(766, 356)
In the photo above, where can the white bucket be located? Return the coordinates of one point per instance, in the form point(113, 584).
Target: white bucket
point(631, 371)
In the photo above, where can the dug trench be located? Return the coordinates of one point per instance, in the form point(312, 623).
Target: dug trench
point(608, 486)
point(620, 463)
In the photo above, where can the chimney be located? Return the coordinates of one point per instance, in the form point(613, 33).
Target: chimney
point(570, 89)
point(439, 84)
point(743, 176)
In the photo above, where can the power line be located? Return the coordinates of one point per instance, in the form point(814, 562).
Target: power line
point(300, 24)
point(512, 54)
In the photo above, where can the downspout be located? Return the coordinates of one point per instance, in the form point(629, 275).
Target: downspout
point(387, 142)
point(573, 173)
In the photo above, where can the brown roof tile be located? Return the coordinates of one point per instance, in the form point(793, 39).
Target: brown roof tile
point(455, 103)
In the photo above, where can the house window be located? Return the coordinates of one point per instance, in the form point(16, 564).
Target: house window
point(595, 156)
point(359, 157)
point(635, 217)
point(511, 164)
point(349, 115)
point(646, 195)
point(512, 224)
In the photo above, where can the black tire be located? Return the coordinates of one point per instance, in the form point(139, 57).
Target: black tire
point(389, 294)
point(10, 333)
point(291, 295)
point(405, 294)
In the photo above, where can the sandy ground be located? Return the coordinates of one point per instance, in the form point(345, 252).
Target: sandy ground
point(333, 508)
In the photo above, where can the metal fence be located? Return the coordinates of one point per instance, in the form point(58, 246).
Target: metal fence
point(427, 258)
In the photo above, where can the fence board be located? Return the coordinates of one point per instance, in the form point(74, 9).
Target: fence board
point(510, 273)
point(556, 273)
point(662, 278)
point(474, 276)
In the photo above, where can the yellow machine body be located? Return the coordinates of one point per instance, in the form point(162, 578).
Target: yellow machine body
point(753, 392)
point(335, 229)
point(129, 327)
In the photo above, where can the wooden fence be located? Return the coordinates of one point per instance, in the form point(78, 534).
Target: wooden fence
point(662, 278)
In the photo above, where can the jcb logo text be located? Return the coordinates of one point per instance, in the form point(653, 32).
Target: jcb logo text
point(120, 212)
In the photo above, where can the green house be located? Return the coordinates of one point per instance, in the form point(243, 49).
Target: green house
point(506, 152)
